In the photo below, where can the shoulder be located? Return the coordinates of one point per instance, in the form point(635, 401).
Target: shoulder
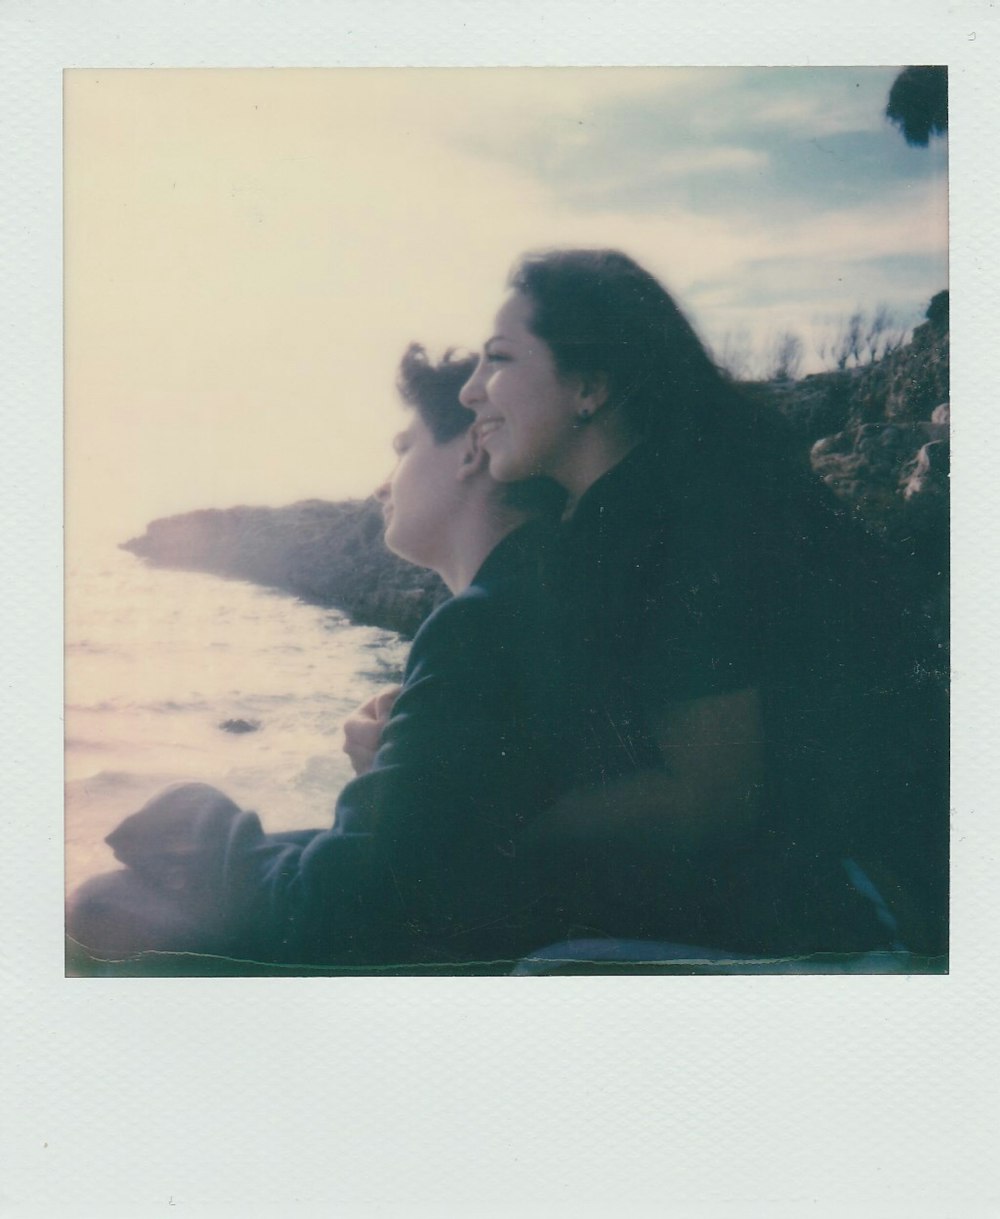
point(460, 634)
point(463, 614)
point(501, 604)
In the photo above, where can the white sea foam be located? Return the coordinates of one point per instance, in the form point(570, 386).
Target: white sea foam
point(157, 660)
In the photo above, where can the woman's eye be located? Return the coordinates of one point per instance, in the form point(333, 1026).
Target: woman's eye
point(496, 357)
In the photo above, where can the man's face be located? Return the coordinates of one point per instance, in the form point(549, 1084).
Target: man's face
point(421, 495)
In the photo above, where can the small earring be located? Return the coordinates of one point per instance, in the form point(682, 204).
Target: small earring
point(583, 416)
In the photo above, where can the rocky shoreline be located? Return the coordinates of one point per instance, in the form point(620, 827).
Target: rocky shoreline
point(877, 435)
point(325, 553)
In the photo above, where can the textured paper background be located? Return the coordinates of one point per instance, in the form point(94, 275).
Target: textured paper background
point(575, 1096)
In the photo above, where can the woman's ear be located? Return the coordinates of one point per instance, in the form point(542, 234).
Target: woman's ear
point(593, 391)
point(474, 457)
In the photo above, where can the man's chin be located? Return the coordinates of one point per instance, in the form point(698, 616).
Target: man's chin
point(392, 543)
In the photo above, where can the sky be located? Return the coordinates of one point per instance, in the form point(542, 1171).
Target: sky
point(249, 251)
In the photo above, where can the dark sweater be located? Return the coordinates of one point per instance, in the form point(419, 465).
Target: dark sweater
point(679, 589)
point(422, 862)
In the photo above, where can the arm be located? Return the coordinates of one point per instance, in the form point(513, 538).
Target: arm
point(706, 794)
point(452, 780)
point(693, 654)
point(401, 860)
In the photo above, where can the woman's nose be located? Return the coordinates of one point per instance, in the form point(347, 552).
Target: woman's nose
point(382, 491)
point(471, 391)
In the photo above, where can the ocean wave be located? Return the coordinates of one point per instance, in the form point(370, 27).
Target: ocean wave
point(334, 620)
point(115, 780)
point(324, 773)
point(147, 694)
point(79, 743)
point(166, 706)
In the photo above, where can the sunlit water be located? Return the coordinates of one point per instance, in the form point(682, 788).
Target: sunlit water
point(157, 660)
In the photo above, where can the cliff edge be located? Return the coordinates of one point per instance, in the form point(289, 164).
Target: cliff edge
point(326, 553)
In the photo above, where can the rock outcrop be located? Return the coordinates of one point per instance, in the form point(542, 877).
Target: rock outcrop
point(865, 430)
point(878, 437)
point(325, 553)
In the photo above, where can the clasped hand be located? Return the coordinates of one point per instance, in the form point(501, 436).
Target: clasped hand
point(363, 728)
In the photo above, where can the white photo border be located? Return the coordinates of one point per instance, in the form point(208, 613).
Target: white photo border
point(577, 1096)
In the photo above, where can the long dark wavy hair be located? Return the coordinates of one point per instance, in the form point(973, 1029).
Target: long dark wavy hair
point(604, 316)
point(730, 463)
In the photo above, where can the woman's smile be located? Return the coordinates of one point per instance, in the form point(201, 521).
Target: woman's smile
point(524, 410)
point(488, 424)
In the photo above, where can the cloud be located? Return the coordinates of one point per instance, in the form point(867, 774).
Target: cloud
point(249, 252)
point(711, 160)
point(823, 285)
point(758, 145)
point(820, 101)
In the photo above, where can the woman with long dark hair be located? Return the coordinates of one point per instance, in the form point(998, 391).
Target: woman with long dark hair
point(722, 610)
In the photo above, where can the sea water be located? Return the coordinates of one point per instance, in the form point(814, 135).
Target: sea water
point(157, 661)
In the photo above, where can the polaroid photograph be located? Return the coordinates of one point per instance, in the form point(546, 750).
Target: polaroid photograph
point(492, 484)
point(738, 484)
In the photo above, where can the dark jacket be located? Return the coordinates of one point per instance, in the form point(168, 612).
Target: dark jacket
point(683, 589)
point(422, 861)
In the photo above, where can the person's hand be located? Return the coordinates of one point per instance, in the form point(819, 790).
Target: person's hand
point(176, 837)
point(363, 728)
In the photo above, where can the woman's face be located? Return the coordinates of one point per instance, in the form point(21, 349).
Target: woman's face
point(525, 410)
